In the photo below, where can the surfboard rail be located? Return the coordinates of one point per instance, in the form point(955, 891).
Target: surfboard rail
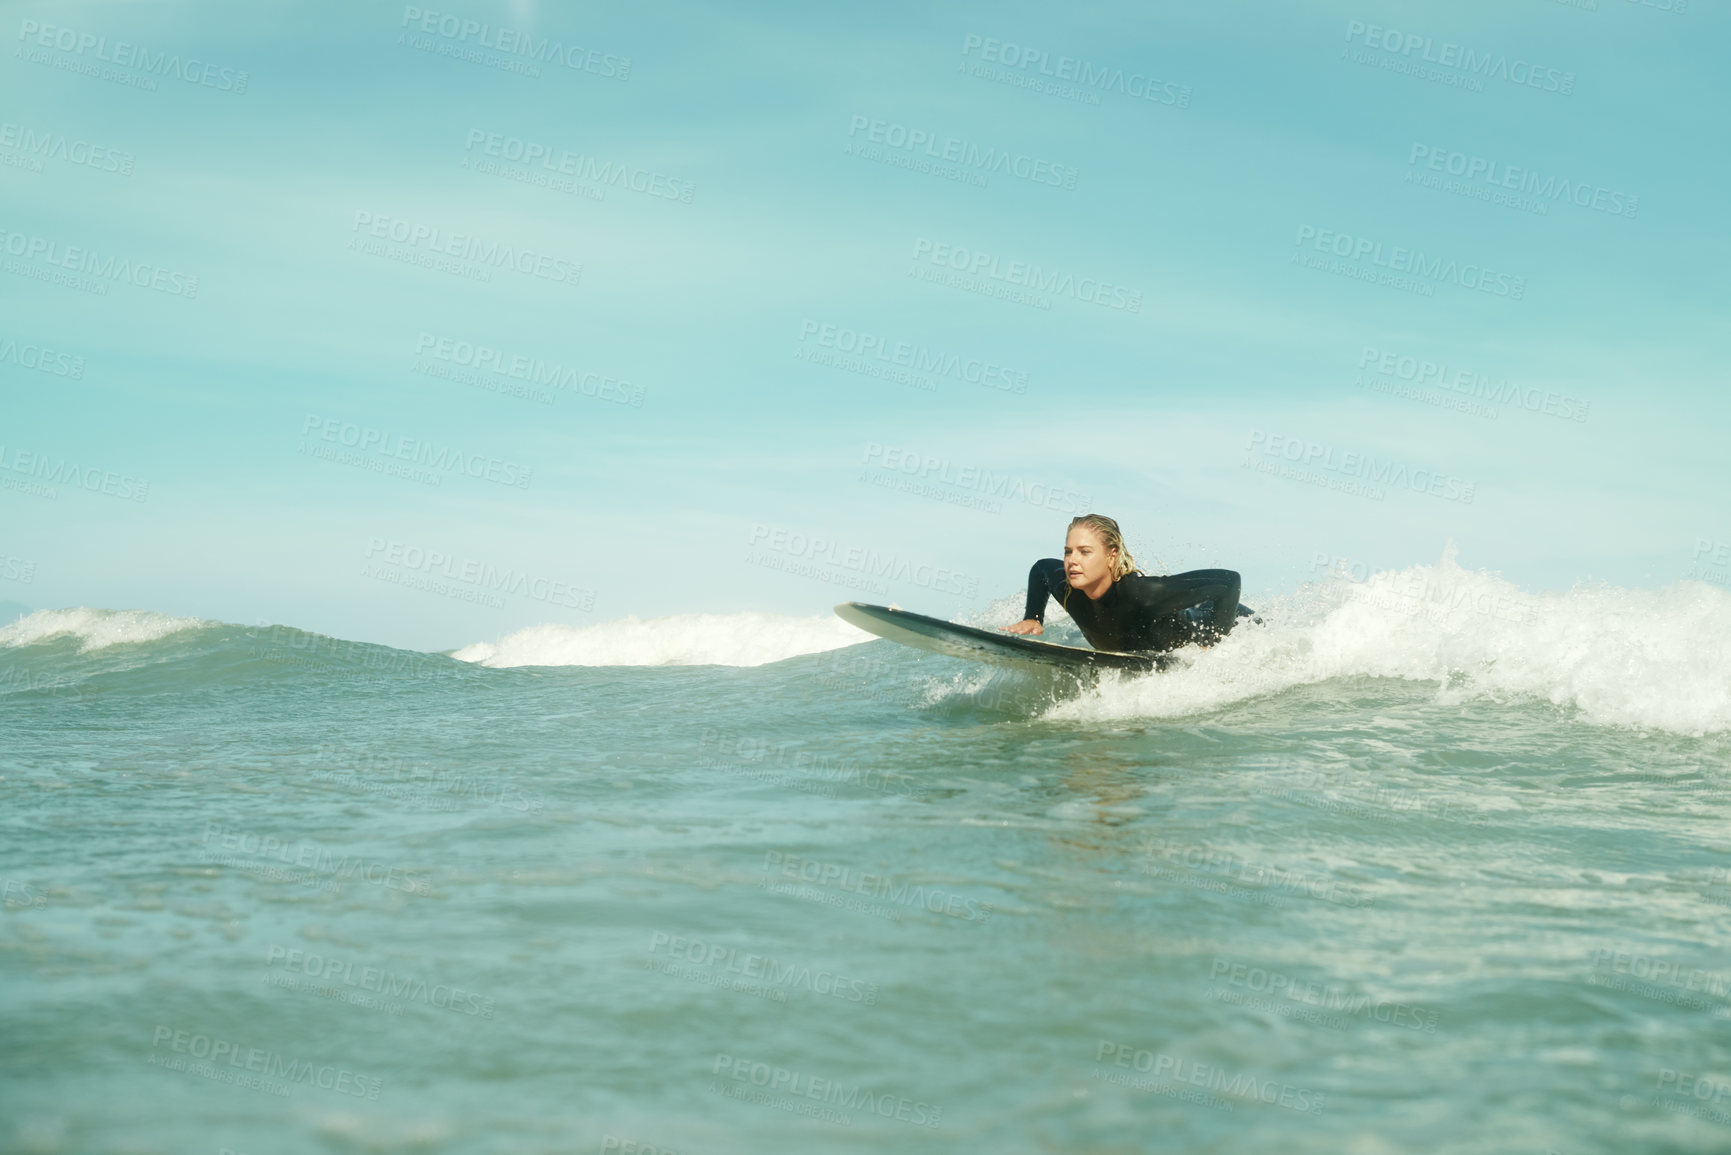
point(1000, 649)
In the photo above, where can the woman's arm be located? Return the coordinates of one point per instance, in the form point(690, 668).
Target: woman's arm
point(1163, 596)
point(1044, 579)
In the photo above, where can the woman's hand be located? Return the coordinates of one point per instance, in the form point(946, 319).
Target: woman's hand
point(1026, 626)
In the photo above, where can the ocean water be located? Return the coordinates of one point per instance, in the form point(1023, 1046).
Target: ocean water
point(1423, 863)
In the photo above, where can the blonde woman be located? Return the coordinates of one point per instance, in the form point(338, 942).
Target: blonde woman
point(1117, 606)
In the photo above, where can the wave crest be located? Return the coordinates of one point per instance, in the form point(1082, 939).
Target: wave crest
point(95, 629)
point(743, 639)
point(1652, 658)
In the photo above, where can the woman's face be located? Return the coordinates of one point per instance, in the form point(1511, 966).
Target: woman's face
point(1086, 558)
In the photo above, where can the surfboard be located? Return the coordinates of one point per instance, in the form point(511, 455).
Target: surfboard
point(998, 649)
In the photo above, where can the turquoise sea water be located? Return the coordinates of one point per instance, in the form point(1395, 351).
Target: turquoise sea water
point(1404, 870)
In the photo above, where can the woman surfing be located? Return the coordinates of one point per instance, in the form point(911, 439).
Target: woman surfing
point(1118, 607)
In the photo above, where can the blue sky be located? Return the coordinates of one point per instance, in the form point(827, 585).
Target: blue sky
point(704, 440)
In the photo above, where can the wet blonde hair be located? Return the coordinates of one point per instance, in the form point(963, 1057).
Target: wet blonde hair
point(1113, 538)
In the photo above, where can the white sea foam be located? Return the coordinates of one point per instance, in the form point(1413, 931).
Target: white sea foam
point(743, 639)
point(1652, 658)
point(95, 629)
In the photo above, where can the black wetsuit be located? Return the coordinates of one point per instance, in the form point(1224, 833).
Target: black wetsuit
point(1138, 612)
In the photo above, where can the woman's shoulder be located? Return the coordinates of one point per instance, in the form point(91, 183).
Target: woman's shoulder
point(1195, 575)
